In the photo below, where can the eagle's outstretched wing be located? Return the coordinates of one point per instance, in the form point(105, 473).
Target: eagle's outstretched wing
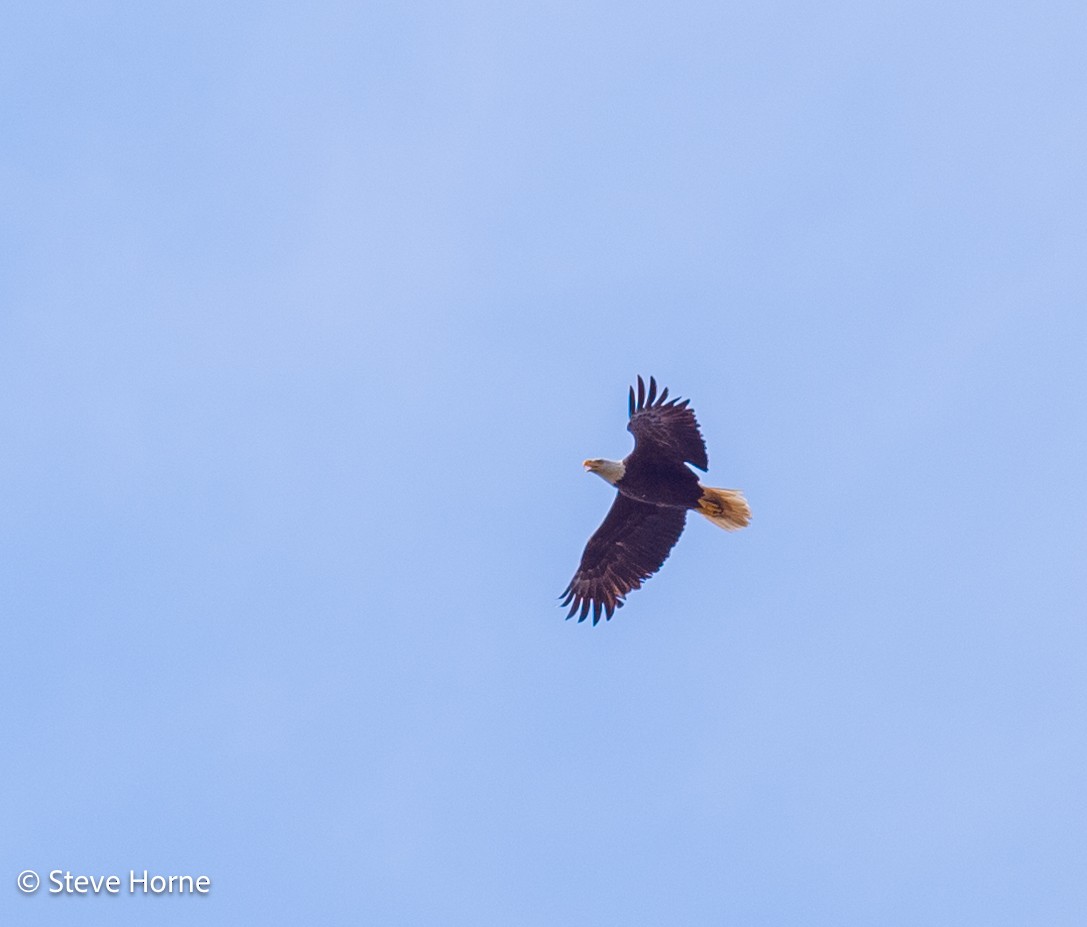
point(629, 547)
point(665, 429)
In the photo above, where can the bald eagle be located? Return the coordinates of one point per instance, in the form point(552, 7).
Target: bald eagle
point(656, 489)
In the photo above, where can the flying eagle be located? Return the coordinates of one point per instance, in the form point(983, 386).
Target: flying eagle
point(656, 488)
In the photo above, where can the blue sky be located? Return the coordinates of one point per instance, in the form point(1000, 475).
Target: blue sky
point(308, 316)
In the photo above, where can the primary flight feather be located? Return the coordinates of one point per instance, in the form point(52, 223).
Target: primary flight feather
point(656, 489)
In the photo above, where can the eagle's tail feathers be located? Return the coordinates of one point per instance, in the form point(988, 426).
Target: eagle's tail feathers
point(726, 508)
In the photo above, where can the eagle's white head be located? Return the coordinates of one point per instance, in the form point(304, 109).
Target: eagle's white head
point(610, 470)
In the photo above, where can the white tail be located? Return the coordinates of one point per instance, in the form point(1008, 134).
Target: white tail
point(726, 508)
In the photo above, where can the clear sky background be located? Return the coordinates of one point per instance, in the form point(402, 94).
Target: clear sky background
point(309, 314)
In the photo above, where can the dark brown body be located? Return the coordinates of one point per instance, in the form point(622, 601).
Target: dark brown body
point(649, 478)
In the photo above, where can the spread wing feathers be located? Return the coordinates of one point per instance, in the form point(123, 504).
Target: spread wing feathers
point(666, 428)
point(629, 547)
